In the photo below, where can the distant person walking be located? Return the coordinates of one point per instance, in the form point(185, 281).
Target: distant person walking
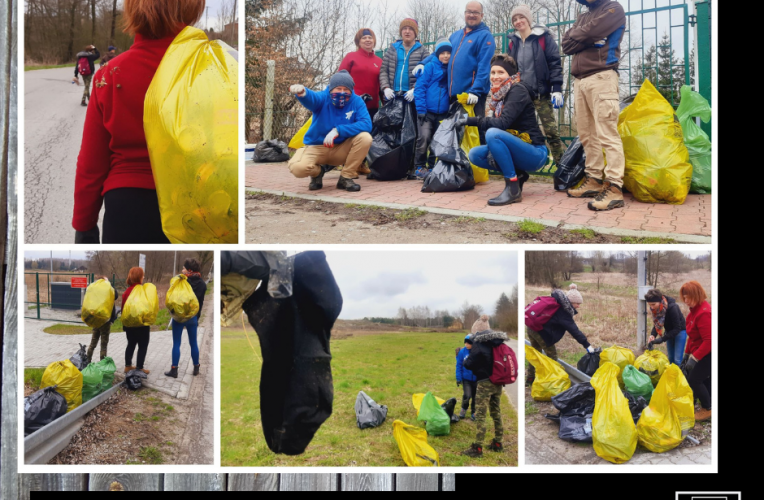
point(102, 332)
point(111, 54)
point(86, 67)
point(192, 271)
point(139, 335)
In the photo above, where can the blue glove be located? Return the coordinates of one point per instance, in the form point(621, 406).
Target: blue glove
point(557, 100)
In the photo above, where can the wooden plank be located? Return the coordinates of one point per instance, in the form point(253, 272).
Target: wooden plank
point(367, 482)
point(253, 482)
point(308, 482)
point(52, 482)
point(449, 482)
point(194, 482)
point(126, 482)
point(416, 482)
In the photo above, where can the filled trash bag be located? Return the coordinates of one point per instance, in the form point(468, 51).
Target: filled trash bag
point(98, 303)
point(448, 407)
point(652, 363)
point(637, 383)
point(142, 306)
point(107, 367)
point(68, 382)
point(671, 412)
point(416, 400)
point(297, 140)
point(368, 413)
point(698, 143)
point(578, 399)
point(571, 168)
point(636, 405)
point(412, 443)
point(133, 379)
point(446, 177)
point(181, 300)
point(576, 407)
point(613, 431)
point(91, 382)
point(658, 168)
point(41, 408)
point(438, 423)
point(393, 142)
point(551, 378)
point(271, 151)
point(80, 358)
point(190, 119)
point(619, 356)
point(589, 362)
point(447, 140)
point(471, 138)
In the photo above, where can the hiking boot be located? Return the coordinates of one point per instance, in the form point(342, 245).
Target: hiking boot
point(529, 381)
point(590, 188)
point(172, 373)
point(145, 371)
point(347, 184)
point(364, 169)
point(472, 417)
point(196, 370)
point(474, 451)
point(463, 413)
point(420, 173)
point(511, 194)
point(317, 182)
point(702, 415)
point(83, 103)
point(129, 368)
point(609, 198)
point(495, 446)
point(522, 176)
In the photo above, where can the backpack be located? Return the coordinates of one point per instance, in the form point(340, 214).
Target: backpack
point(83, 66)
point(504, 365)
point(538, 312)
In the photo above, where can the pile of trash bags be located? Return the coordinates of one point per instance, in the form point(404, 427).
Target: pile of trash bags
point(452, 171)
point(619, 356)
point(394, 133)
point(652, 363)
point(142, 306)
point(271, 151)
point(180, 299)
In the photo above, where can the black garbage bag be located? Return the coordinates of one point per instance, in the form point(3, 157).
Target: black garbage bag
point(455, 418)
point(368, 413)
point(271, 151)
point(579, 399)
point(576, 428)
point(571, 167)
point(590, 362)
point(394, 133)
point(448, 177)
point(636, 405)
point(42, 408)
point(449, 406)
point(133, 379)
point(80, 358)
point(453, 171)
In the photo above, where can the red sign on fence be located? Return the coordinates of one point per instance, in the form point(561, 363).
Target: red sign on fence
point(79, 281)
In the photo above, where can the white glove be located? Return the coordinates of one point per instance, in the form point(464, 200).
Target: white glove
point(329, 139)
point(590, 349)
point(409, 95)
point(389, 94)
point(418, 70)
point(472, 99)
point(297, 89)
point(600, 43)
point(557, 100)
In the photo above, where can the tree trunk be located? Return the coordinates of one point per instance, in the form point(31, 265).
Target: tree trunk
point(93, 17)
point(70, 47)
point(113, 21)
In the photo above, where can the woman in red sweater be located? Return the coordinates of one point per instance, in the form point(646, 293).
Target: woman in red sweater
point(696, 363)
point(364, 65)
point(136, 336)
point(113, 167)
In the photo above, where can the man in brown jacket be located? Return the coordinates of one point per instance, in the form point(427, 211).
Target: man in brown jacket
point(595, 43)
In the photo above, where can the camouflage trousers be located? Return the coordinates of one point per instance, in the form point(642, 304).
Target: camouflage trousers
point(102, 333)
point(488, 397)
point(546, 117)
point(538, 343)
point(86, 80)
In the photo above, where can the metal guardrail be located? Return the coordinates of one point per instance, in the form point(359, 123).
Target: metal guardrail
point(576, 375)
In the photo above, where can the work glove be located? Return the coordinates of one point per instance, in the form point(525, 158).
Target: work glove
point(389, 94)
point(329, 139)
point(650, 345)
point(472, 99)
point(297, 89)
point(90, 236)
point(684, 360)
point(689, 365)
point(590, 350)
point(460, 121)
point(409, 96)
point(418, 70)
point(557, 100)
point(458, 383)
point(600, 43)
point(366, 97)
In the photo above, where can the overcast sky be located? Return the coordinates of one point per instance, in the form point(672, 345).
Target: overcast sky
point(57, 254)
point(378, 283)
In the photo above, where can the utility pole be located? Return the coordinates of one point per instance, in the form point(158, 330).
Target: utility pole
point(70, 260)
point(207, 19)
point(642, 288)
point(51, 262)
point(174, 263)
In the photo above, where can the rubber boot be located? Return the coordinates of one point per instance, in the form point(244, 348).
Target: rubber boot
point(474, 451)
point(317, 182)
point(511, 194)
point(522, 176)
point(173, 372)
point(196, 370)
point(347, 184)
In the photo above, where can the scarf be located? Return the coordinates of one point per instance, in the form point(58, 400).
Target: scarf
point(499, 93)
point(189, 274)
point(563, 300)
point(659, 316)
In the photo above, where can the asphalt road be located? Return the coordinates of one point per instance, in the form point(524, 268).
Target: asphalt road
point(53, 121)
point(512, 389)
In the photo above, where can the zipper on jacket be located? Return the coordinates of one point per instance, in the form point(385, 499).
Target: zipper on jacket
point(405, 65)
point(450, 87)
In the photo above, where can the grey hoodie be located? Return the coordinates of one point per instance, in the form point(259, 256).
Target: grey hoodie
point(539, 63)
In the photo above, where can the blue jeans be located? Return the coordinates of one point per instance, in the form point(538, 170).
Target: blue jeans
point(177, 335)
point(675, 347)
point(510, 153)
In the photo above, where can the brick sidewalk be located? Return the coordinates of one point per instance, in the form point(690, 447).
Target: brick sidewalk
point(689, 222)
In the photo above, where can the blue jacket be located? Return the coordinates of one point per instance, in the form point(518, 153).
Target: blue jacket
point(462, 373)
point(350, 120)
point(431, 92)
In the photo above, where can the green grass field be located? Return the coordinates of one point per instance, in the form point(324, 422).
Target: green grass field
point(390, 368)
point(163, 319)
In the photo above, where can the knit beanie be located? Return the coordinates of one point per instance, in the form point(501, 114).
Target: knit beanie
point(363, 32)
point(481, 324)
point(342, 78)
point(411, 23)
point(524, 11)
point(505, 61)
point(468, 339)
point(442, 44)
point(574, 296)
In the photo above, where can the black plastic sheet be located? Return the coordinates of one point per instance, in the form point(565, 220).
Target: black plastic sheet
point(133, 379)
point(571, 167)
point(449, 406)
point(590, 362)
point(42, 408)
point(368, 413)
point(80, 358)
point(394, 133)
point(271, 151)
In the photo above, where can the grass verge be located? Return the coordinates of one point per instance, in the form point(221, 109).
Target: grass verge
point(530, 227)
point(33, 67)
point(163, 318)
point(33, 377)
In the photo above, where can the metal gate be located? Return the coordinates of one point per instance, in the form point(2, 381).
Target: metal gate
point(51, 297)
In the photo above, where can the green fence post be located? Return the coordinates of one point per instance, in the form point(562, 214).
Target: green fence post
point(703, 48)
point(37, 285)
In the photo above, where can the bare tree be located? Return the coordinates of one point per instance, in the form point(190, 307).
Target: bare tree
point(435, 18)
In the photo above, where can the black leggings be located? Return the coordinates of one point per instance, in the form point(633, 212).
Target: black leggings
point(132, 216)
point(470, 390)
point(700, 381)
point(137, 336)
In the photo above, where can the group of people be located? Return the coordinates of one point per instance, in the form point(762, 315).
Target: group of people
point(139, 336)
point(520, 88)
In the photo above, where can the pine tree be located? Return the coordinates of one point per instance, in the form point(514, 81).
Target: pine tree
point(664, 70)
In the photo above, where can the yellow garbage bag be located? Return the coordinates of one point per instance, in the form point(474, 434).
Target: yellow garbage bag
point(417, 400)
point(68, 380)
point(471, 139)
point(142, 306)
point(98, 303)
point(652, 363)
point(412, 443)
point(671, 411)
point(180, 299)
point(613, 430)
point(190, 118)
point(619, 356)
point(551, 378)
point(658, 168)
point(299, 137)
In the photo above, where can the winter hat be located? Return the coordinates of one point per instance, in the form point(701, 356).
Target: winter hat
point(341, 78)
point(468, 339)
point(362, 33)
point(522, 10)
point(574, 296)
point(411, 23)
point(112, 47)
point(442, 45)
point(481, 324)
point(505, 61)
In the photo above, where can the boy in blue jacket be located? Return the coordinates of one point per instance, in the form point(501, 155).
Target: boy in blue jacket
point(339, 134)
point(466, 379)
point(431, 98)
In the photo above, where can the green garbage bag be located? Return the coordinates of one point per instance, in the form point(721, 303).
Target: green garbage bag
point(92, 379)
point(107, 368)
point(697, 142)
point(438, 421)
point(637, 383)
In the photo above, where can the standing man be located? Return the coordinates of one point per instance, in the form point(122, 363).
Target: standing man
point(595, 43)
point(86, 67)
point(111, 54)
point(102, 332)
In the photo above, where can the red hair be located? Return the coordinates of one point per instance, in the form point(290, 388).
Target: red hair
point(135, 276)
point(160, 18)
point(359, 35)
point(693, 291)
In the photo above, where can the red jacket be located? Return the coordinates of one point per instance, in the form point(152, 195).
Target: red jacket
point(113, 152)
point(364, 68)
point(126, 294)
point(699, 331)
